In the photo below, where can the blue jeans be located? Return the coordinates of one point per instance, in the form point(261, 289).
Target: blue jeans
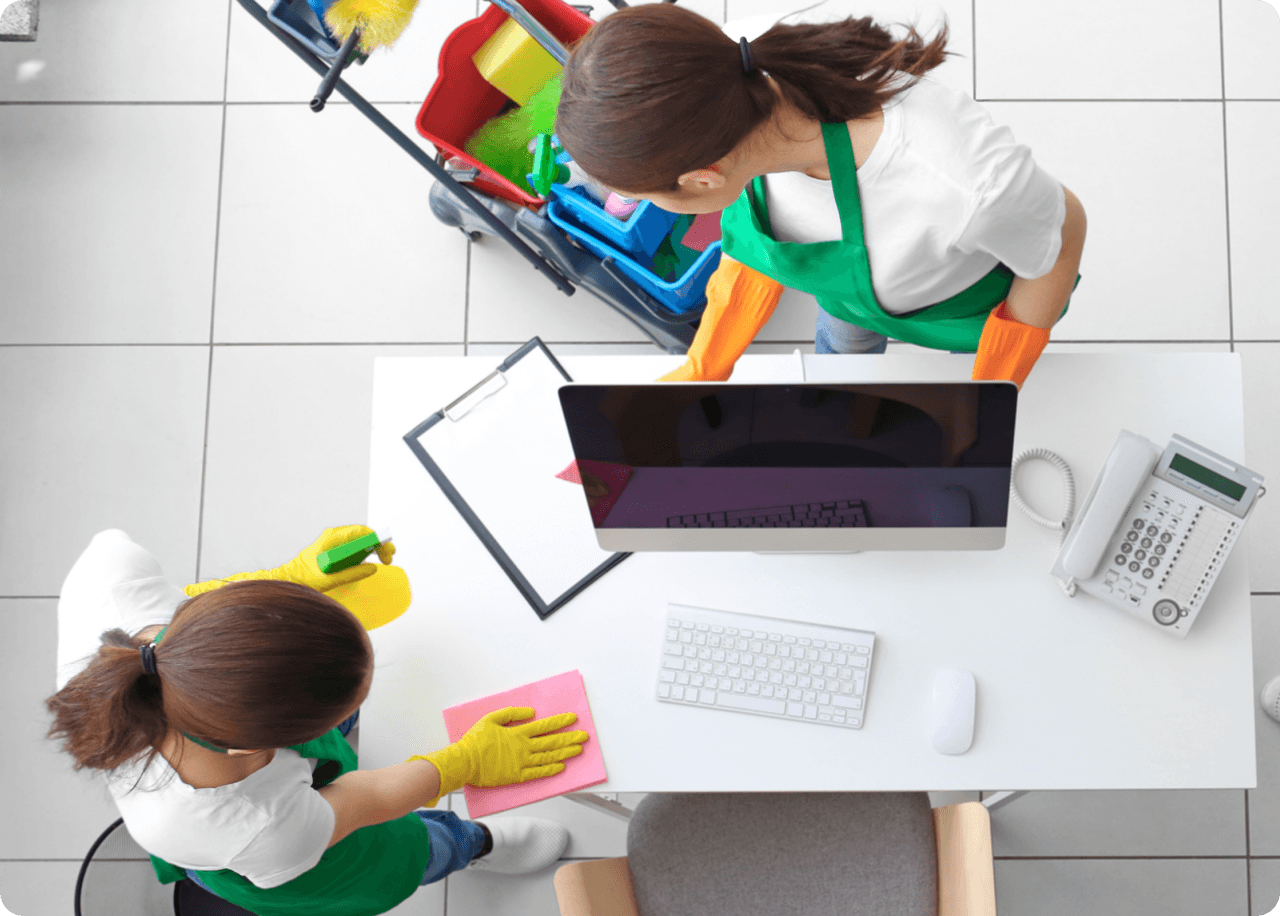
point(835, 335)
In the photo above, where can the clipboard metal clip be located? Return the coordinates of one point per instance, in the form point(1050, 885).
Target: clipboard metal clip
point(490, 385)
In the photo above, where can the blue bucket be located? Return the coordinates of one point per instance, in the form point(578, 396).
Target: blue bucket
point(300, 19)
point(679, 295)
point(641, 234)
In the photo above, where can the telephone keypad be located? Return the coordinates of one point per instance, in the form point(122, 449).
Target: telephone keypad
point(1132, 535)
point(1148, 573)
point(1146, 542)
point(1126, 548)
point(1139, 554)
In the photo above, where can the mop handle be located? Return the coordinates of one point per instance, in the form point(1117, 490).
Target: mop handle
point(536, 30)
point(331, 78)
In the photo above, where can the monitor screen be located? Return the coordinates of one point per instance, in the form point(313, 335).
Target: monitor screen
point(806, 467)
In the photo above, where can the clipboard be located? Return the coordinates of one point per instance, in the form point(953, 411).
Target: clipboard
point(495, 452)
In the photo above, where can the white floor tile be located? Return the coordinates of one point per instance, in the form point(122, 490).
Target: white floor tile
point(503, 350)
point(1264, 801)
point(926, 15)
point(1261, 364)
point(510, 301)
point(1264, 886)
point(1097, 49)
point(1155, 259)
point(288, 449)
point(127, 51)
point(1121, 887)
point(61, 811)
point(426, 901)
point(1253, 135)
point(260, 68)
point(1135, 346)
point(95, 438)
point(592, 834)
point(48, 888)
point(111, 212)
point(1250, 37)
point(326, 235)
point(794, 319)
point(1063, 824)
point(474, 893)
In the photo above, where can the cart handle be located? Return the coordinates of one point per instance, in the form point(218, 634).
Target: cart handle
point(419, 155)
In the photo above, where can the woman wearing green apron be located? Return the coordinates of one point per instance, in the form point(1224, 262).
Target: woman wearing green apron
point(806, 136)
point(205, 724)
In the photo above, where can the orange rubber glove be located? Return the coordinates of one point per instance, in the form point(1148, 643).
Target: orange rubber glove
point(739, 302)
point(1008, 348)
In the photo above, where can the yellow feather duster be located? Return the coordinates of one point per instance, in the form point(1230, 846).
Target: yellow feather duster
point(380, 21)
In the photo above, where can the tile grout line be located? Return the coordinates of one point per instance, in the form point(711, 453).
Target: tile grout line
point(1226, 177)
point(466, 302)
point(213, 299)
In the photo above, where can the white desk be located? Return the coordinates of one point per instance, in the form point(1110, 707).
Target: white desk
point(1071, 694)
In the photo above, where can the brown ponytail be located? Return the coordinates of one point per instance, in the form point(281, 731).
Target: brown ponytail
point(251, 665)
point(655, 91)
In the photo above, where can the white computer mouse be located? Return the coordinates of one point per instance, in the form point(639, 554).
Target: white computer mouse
point(951, 507)
point(951, 719)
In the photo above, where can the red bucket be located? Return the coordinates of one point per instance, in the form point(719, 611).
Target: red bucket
point(461, 100)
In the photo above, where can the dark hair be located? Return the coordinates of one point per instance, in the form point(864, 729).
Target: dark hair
point(252, 665)
point(655, 91)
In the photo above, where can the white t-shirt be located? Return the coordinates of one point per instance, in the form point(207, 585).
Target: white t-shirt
point(947, 194)
point(269, 827)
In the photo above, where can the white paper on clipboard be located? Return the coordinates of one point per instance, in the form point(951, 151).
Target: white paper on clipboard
point(502, 456)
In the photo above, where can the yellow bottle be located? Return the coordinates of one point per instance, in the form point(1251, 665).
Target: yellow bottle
point(376, 599)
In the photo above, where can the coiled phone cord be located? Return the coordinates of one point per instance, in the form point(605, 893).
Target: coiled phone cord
point(1069, 486)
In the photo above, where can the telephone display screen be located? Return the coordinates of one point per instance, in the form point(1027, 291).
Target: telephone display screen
point(1202, 475)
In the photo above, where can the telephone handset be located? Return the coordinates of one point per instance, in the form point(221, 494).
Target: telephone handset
point(1156, 529)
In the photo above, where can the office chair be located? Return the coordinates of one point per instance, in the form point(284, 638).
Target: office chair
point(116, 877)
point(816, 853)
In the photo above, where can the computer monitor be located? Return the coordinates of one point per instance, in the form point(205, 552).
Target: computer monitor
point(795, 467)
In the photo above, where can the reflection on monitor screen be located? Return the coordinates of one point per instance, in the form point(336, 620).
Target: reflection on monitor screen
point(755, 467)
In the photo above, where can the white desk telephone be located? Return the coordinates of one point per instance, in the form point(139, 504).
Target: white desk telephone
point(1156, 529)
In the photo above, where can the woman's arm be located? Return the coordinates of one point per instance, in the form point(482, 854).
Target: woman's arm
point(362, 798)
point(1039, 302)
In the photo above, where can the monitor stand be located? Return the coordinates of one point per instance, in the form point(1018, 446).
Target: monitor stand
point(802, 553)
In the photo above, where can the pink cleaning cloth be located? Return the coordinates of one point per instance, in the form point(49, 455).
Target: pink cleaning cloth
point(614, 476)
point(702, 232)
point(562, 693)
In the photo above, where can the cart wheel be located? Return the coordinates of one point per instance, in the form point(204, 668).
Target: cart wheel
point(473, 236)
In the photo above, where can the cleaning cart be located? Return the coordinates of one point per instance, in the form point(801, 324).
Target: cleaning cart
point(483, 205)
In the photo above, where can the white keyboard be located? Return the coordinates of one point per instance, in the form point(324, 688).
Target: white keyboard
point(765, 666)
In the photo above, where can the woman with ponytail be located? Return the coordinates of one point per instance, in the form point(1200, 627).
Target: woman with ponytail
point(843, 171)
point(218, 722)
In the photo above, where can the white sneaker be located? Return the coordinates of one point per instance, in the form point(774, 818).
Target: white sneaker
point(522, 845)
point(1271, 698)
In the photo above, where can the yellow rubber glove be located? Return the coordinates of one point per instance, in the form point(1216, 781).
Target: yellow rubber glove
point(304, 569)
point(739, 303)
point(492, 753)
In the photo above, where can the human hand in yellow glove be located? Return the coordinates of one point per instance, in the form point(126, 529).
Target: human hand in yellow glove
point(304, 569)
point(493, 753)
point(739, 303)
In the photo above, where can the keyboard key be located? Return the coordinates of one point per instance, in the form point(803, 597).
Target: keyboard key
point(795, 693)
point(683, 677)
point(863, 650)
point(677, 693)
point(697, 680)
point(667, 676)
point(811, 712)
point(664, 690)
point(673, 635)
point(795, 709)
point(676, 664)
point(859, 663)
point(810, 696)
point(824, 699)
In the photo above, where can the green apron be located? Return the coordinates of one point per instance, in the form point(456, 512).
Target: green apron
point(370, 871)
point(838, 273)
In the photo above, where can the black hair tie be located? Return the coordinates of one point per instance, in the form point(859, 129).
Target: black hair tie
point(148, 658)
point(748, 64)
